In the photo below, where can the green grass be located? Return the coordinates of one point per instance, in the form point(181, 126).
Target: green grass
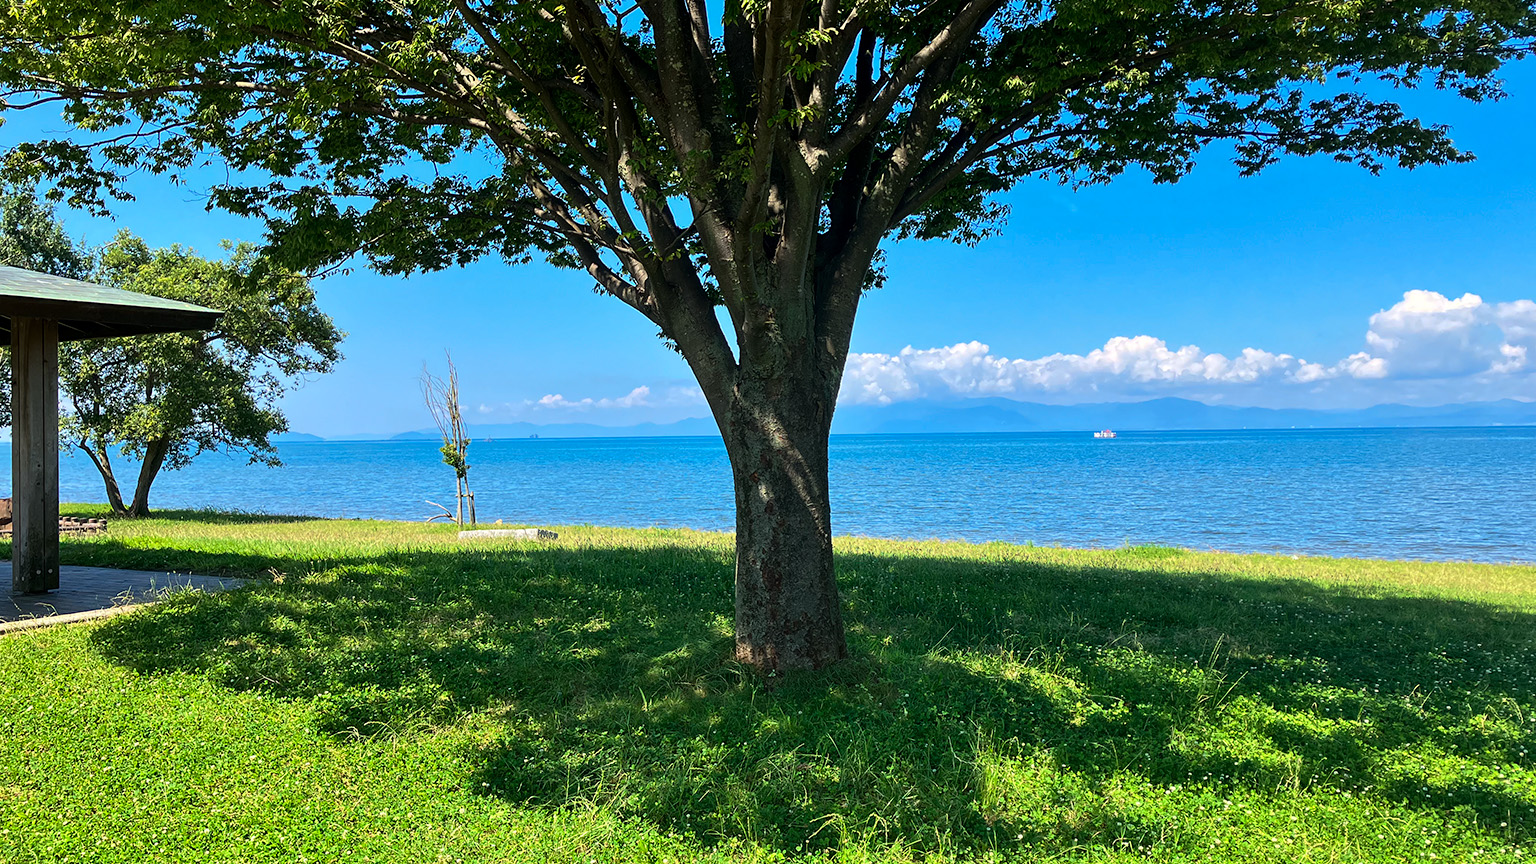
point(380, 693)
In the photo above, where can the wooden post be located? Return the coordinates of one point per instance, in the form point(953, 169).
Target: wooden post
point(34, 455)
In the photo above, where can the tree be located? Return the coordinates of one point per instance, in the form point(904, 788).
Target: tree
point(164, 399)
point(32, 238)
point(753, 160)
point(442, 397)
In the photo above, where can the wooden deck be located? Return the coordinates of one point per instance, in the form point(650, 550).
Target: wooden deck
point(86, 593)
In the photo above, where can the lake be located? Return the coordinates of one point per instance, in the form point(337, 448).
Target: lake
point(1436, 494)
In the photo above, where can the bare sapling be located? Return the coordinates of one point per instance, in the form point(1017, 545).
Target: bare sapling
point(442, 396)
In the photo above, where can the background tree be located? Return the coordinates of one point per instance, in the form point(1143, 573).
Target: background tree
point(32, 238)
point(442, 397)
point(164, 399)
point(752, 160)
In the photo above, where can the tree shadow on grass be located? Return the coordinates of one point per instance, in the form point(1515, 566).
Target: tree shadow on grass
point(988, 703)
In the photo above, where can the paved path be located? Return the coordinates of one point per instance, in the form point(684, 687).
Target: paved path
point(93, 592)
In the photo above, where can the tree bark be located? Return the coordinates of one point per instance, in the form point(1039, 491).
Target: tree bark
point(788, 612)
point(103, 465)
point(154, 457)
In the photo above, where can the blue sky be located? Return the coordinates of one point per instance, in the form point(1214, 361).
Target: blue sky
point(1348, 289)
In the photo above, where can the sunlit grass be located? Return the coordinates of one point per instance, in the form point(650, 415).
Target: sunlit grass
point(383, 693)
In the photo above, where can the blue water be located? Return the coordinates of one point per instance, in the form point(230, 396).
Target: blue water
point(1449, 494)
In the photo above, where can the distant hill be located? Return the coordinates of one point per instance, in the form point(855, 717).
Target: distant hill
point(1007, 415)
point(294, 437)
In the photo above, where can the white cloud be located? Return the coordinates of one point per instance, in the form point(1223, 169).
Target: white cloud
point(664, 404)
point(1426, 349)
point(1517, 320)
point(1125, 363)
point(1424, 336)
point(1430, 335)
point(636, 398)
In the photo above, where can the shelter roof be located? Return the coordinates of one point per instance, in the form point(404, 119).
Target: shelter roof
point(87, 311)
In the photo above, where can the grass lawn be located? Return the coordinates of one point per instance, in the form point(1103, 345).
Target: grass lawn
point(381, 693)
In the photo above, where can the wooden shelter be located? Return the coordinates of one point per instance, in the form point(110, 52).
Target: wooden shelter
point(37, 312)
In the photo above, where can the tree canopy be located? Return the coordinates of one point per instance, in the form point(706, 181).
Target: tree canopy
point(33, 239)
point(630, 139)
point(753, 157)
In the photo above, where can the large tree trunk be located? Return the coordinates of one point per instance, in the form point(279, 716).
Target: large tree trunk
point(103, 465)
point(788, 612)
point(791, 293)
point(154, 457)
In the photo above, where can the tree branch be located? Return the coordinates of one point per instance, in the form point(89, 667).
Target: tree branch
point(866, 118)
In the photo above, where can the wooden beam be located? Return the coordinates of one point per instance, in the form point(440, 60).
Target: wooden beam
point(34, 455)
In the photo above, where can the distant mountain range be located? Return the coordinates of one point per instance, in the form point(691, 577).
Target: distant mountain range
point(1007, 415)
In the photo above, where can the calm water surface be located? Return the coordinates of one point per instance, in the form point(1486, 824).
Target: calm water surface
point(1463, 494)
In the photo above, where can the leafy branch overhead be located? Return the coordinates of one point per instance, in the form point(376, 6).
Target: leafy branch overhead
point(428, 134)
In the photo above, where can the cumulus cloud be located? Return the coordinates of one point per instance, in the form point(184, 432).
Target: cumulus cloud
point(1125, 363)
point(1429, 335)
point(1425, 335)
point(1427, 348)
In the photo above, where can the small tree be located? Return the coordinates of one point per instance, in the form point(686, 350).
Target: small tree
point(164, 399)
point(442, 396)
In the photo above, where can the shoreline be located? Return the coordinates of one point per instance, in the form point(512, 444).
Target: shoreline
point(446, 532)
point(97, 509)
